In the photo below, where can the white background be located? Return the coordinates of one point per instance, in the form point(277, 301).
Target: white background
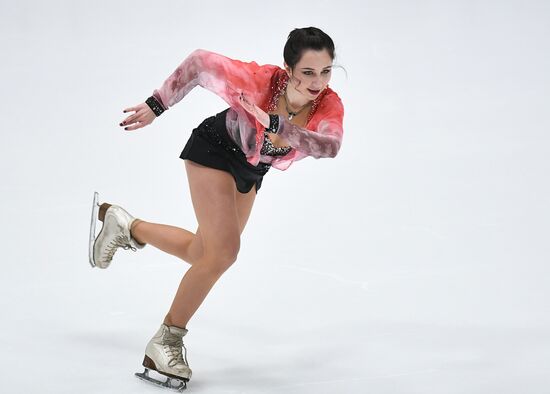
point(416, 261)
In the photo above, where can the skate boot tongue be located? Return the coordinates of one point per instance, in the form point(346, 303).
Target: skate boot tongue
point(173, 344)
point(180, 332)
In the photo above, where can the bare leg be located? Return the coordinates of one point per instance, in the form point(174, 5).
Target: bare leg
point(170, 239)
point(222, 213)
point(183, 243)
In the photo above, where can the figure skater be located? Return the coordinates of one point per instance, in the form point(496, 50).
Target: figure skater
point(276, 117)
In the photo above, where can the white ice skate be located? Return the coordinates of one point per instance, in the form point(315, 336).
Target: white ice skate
point(114, 233)
point(163, 354)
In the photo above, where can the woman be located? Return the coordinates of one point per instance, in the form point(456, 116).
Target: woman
point(276, 116)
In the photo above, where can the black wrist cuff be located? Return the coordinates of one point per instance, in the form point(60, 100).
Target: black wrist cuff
point(273, 124)
point(155, 106)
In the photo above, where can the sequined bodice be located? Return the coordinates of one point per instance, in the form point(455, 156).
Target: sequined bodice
point(270, 150)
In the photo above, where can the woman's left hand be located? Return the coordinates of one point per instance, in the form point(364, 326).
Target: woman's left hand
point(254, 110)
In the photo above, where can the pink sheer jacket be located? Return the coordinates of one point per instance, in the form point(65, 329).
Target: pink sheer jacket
point(263, 85)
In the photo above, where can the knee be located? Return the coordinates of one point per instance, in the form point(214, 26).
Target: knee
point(220, 258)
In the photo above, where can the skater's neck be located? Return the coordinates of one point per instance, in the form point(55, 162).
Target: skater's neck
point(295, 99)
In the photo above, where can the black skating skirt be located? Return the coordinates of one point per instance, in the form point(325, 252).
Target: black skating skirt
point(211, 146)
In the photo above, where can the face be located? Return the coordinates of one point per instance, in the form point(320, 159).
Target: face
point(312, 73)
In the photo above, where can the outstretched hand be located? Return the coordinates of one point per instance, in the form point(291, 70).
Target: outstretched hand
point(254, 110)
point(142, 116)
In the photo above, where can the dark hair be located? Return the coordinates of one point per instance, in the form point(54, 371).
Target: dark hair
point(305, 38)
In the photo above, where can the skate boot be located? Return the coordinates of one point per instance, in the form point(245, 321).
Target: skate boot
point(163, 354)
point(114, 234)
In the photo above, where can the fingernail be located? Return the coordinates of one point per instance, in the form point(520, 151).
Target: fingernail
point(124, 111)
point(120, 124)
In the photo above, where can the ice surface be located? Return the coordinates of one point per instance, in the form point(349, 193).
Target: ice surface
point(417, 260)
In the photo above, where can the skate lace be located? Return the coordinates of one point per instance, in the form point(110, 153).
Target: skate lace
point(120, 241)
point(173, 349)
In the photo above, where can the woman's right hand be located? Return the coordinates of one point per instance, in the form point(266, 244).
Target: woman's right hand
point(142, 116)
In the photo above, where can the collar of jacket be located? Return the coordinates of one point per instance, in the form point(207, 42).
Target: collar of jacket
point(279, 82)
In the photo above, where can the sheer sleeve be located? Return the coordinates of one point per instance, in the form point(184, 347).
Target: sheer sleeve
point(223, 76)
point(325, 140)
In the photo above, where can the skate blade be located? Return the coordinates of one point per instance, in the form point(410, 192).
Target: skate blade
point(95, 207)
point(170, 383)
